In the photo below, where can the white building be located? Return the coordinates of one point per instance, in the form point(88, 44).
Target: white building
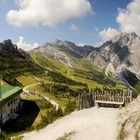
point(9, 102)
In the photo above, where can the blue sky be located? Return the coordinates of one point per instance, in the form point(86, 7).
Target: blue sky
point(86, 27)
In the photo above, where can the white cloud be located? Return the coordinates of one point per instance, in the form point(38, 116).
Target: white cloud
point(74, 29)
point(108, 33)
point(129, 18)
point(80, 44)
point(47, 12)
point(25, 46)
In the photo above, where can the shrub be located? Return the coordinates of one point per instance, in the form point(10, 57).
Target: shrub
point(3, 136)
point(70, 107)
point(58, 77)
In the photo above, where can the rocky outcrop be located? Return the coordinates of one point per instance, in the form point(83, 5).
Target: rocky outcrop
point(120, 57)
point(8, 48)
point(14, 61)
point(129, 121)
point(64, 51)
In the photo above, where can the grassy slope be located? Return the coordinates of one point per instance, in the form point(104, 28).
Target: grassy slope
point(26, 79)
point(81, 75)
point(12, 66)
point(54, 65)
point(29, 79)
point(50, 64)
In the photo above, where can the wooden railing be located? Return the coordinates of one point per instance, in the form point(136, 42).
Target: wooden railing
point(86, 100)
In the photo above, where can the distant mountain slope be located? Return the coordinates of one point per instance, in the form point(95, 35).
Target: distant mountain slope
point(65, 52)
point(82, 72)
point(14, 61)
point(120, 57)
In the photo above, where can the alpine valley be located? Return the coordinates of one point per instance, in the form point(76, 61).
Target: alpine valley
point(53, 75)
point(118, 58)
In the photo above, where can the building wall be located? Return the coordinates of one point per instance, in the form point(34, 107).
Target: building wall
point(9, 108)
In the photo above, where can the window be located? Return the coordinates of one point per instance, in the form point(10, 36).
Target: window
point(11, 111)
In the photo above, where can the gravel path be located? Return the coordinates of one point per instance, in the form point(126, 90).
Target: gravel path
point(89, 124)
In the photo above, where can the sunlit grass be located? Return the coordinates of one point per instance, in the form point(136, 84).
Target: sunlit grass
point(26, 79)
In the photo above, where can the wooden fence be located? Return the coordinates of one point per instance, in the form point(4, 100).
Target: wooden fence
point(104, 98)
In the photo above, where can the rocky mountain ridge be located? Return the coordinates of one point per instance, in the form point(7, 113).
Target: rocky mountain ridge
point(120, 57)
point(64, 51)
point(11, 49)
point(15, 61)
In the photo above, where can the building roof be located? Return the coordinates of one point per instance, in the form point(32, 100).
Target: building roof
point(7, 91)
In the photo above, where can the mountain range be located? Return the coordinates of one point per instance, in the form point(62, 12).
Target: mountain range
point(65, 52)
point(118, 57)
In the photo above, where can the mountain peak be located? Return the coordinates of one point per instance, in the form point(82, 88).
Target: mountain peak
point(8, 45)
point(57, 41)
point(65, 51)
point(8, 42)
point(62, 43)
point(8, 48)
point(124, 37)
point(121, 50)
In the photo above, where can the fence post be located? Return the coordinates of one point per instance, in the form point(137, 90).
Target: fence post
point(131, 95)
point(124, 97)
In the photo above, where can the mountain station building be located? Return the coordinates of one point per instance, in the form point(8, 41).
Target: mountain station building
point(9, 102)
